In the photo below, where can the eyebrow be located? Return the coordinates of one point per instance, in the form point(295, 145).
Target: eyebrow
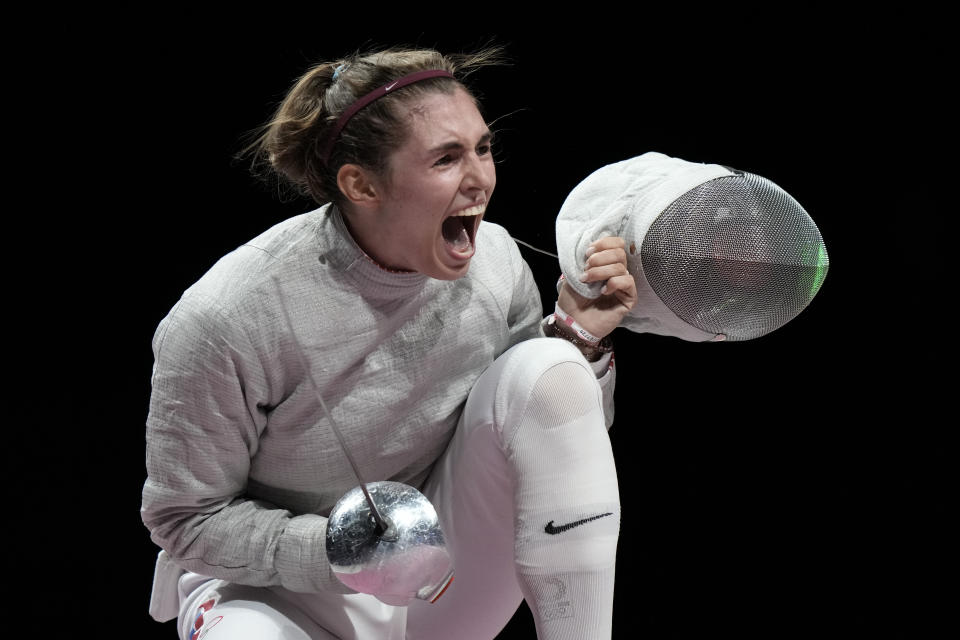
point(487, 137)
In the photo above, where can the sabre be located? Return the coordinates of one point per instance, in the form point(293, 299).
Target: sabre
point(401, 555)
point(385, 528)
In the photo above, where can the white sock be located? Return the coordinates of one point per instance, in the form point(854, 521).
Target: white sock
point(567, 507)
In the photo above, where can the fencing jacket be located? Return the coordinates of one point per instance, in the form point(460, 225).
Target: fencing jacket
point(241, 466)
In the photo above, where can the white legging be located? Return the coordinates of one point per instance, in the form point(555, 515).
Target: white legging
point(473, 488)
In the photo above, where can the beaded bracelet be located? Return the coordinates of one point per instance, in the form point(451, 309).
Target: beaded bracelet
point(552, 329)
point(568, 320)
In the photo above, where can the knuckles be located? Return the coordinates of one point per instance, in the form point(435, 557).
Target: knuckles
point(608, 257)
point(610, 242)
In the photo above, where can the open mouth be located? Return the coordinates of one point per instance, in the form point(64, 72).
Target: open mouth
point(460, 230)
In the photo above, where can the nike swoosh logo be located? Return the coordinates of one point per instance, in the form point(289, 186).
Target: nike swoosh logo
point(552, 530)
point(390, 86)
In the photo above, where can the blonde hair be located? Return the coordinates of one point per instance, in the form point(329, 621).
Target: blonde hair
point(290, 144)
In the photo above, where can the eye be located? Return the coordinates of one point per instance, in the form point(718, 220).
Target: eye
point(484, 149)
point(447, 159)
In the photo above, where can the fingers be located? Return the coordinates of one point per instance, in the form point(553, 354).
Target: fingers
point(606, 258)
point(607, 261)
point(606, 251)
point(603, 272)
point(618, 285)
point(609, 242)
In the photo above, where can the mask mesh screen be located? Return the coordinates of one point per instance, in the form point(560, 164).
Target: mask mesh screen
point(736, 255)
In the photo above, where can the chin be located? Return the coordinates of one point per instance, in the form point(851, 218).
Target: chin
point(441, 271)
point(452, 274)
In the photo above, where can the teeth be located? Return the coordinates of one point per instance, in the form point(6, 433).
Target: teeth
point(472, 211)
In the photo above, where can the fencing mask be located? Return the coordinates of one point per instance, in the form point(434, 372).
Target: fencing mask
point(717, 254)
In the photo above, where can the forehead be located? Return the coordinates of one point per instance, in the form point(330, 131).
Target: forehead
point(440, 118)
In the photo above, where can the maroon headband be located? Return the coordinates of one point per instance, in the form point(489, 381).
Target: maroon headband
point(375, 95)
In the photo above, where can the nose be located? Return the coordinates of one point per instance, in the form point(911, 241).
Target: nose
point(480, 174)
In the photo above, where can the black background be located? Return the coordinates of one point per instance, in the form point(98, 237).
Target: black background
point(789, 486)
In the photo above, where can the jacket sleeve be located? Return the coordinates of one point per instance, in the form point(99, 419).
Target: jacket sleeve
point(526, 308)
point(207, 413)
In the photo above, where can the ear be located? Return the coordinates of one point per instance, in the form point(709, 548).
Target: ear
point(358, 185)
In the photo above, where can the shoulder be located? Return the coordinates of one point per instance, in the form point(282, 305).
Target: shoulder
point(239, 289)
point(285, 251)
point(493, 232)
point(289, 237)
point(498, 262)
point(494, 243)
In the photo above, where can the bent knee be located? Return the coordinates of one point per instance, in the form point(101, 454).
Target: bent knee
point(549, 377)
point(546, 351)
point(528, 361)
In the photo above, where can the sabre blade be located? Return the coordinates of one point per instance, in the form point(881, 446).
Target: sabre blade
point(382, 524)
